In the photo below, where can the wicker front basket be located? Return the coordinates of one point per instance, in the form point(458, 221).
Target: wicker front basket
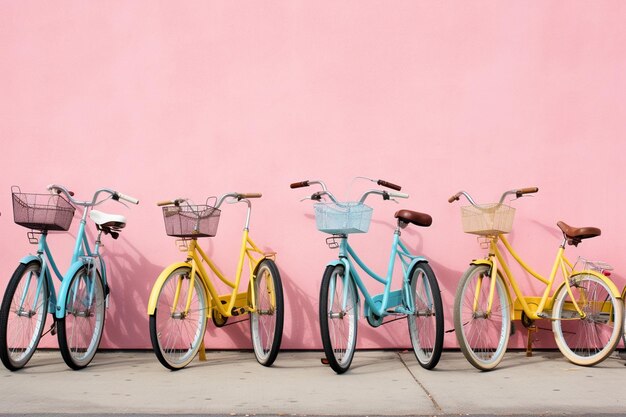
point(487, 219)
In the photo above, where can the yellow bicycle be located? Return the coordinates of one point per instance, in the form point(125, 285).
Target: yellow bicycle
point(184, 298)
point(586, 309)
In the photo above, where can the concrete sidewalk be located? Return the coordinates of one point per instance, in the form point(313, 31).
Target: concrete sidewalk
point(378, 383)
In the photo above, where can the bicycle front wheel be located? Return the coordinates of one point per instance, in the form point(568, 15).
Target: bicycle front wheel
point(482, 333)
point(338, 321)
point(426, 323)
point(266, 322)
point(590, 339)
point(80, 330)
point(176, 331)
point(23, 315)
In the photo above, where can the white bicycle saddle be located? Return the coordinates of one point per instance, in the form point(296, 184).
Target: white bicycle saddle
point(115, 221)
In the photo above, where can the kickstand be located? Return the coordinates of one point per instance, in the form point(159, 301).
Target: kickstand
point(529, 344)
point(202, 352)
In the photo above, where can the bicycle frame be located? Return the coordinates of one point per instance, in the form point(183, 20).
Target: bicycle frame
point(526, 304)
point(379, 304)
point(81, 255)
point(236, 303)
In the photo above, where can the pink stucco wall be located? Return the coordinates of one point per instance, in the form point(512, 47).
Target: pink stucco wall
point(162, 99)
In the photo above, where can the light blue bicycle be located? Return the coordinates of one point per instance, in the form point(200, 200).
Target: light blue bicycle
point(418, 298)
point(79, 310)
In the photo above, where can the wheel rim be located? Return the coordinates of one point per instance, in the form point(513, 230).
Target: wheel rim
point(84, 317)
point(588, 338)
point(422, 323)
point(180, 333)
point(341, 323)
point(484, 334)
point(264, 318)
point(26, 317)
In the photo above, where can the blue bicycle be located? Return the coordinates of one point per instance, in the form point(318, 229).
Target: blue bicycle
point(79, 310)
point(418, 299)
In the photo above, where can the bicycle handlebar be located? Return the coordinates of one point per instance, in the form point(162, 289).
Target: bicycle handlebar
point(59, 189)
point(386, 195)
point(299, 184)
point(219, 201)
point(389, 185)
point(518, 193)
point(127, 198)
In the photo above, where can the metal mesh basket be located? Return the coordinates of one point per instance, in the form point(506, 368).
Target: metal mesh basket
point(487, 219)
point(191, 221)
point(343, 218)
point(42, 211)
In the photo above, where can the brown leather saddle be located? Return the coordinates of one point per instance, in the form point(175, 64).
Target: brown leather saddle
point(414, 217)
point(575, 235)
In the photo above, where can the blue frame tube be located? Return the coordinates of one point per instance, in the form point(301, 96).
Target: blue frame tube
point(398, 249)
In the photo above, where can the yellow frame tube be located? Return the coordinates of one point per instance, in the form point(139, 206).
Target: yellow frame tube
point(248, 247)
point(494, 277)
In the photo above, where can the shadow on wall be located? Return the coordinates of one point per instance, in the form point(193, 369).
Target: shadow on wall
point(130, 278)
point(301, 311)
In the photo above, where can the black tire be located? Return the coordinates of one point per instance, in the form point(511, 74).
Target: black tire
point(80, 330)
point(170, 325)
point(266, 323)
point(338, 327)
point(426, 324)
point(21, 326)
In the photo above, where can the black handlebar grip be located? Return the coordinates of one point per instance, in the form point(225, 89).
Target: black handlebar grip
point(300, 184)
point(389, 185)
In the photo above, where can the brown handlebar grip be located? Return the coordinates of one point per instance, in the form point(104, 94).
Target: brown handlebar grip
point(528, 190)
point(389, 185)
point(165, 203)
point(71, 193)
point(454, 198)
point(299, 184)
point(250, 195)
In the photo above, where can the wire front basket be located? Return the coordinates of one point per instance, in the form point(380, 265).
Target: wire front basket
point(42, 211)
point(343, 218)
point(487, 219)
point(191, 221)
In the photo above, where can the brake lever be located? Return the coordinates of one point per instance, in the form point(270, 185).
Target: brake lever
point(521, 196)
point(317, 196)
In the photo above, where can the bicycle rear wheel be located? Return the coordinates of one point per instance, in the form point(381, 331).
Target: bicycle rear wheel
point(23, 315)
point(426, 324)
point(80, 331)
point(266, 323)
point(482, 335)
point(591, 339)
point(338, 325)
point(176, 332)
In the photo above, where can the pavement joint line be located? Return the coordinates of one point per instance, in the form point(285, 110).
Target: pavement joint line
point(430, 396)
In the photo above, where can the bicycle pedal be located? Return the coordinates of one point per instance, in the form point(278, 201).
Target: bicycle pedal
point(238, 311)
